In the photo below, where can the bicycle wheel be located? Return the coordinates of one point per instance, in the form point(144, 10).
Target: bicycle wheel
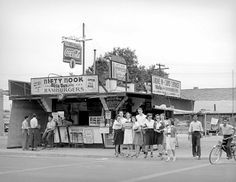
point(215, 154)
point(233, 150)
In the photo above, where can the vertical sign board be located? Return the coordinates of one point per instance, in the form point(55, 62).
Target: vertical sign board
point(118, 71)
point(71, 51)
point(118, 68)
point(165, 86)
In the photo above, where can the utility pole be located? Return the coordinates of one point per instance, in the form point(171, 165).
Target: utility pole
point(94, 62)
point(161, 69)
point(84, 40)
point(232, 94)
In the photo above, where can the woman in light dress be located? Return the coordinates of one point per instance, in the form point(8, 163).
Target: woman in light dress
point(138, 135)
point(128, 134)
point(170, 132)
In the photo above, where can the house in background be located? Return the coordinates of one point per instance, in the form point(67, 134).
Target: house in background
point(215, 103)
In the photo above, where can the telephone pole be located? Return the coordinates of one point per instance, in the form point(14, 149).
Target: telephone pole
point(161, 69)
point(233, 94)
point(84, 40)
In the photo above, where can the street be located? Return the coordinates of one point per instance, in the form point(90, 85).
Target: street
point(22, 168)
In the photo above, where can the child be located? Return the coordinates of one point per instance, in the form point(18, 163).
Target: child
point(128, 134)
point(138, 136)
point(170, 133)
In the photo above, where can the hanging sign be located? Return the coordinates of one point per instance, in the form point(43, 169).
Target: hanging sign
point(71, 51)
point(113, 102)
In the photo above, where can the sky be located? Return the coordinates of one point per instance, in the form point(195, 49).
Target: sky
point(195, 39)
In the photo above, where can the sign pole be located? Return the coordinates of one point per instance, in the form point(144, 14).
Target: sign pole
point(83, 49)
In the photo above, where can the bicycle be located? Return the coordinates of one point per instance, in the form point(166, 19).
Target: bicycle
point(216, 151)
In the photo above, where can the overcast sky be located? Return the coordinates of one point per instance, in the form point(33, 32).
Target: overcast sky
point(194, 38)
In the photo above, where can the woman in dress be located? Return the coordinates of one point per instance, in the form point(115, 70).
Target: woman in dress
point(118, 134)
point(170, 133)
point(148, 134)
point(138, 135)
point(128, 134)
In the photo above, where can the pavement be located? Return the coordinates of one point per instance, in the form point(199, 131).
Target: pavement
point(183, 151)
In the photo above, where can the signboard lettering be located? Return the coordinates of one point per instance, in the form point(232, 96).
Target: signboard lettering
point(66, 85)
point(113, 102)
point(165, 86)
point(71, 50)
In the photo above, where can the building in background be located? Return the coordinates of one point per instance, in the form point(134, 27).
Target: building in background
point(213, 104)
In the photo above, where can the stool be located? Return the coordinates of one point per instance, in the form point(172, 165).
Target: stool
point(75, 139)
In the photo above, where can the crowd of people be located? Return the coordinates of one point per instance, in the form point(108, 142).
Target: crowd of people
point(141, 131)
point(144, 131)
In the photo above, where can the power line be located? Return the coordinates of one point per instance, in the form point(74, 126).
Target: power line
point(160, 69)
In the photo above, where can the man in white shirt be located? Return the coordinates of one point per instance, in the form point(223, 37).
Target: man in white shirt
point(25, 134)
point(227, 131)
point(141, 118)
point(34, 132)
point(47, 137)
point(195, 130)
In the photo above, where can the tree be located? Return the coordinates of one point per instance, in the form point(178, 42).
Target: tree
point(102, 69)
point(139, 75)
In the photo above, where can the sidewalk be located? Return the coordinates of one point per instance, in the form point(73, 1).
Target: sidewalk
point(183, 151)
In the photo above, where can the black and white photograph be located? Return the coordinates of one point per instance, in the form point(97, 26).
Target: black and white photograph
point(117, 90)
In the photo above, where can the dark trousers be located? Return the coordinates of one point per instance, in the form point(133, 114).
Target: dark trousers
point(25, 139)
point(47, 138)
point(33, 137)
point(227, 145)
point(196, 145)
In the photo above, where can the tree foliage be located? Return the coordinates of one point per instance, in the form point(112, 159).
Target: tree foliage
point(138, 74)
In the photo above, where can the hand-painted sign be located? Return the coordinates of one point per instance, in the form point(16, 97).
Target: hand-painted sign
point(118, 71)
point(64, 85)
point(118, 68)
point(71, 51)
point(165, 86)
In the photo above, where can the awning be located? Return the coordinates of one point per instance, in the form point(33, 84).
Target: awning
point(179, 111)
point(163, 107)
